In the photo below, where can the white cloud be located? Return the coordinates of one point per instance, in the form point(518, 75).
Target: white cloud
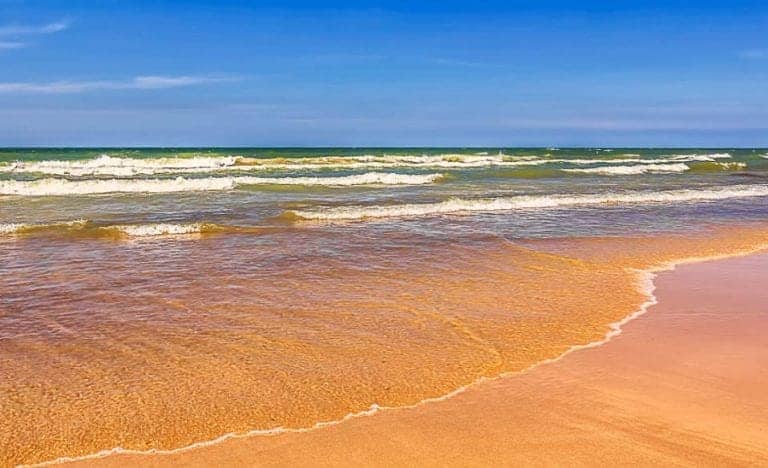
point(24, 30)
point(139, 82)
point(754, 54)
point(458, 63)
point(7, 45)
point(16, 31)
point(343, 58)
point(159, 82)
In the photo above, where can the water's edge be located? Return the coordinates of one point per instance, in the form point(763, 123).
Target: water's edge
point(644, 282)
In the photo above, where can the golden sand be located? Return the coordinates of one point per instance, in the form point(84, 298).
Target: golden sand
point(320, 350)
point(682, 386)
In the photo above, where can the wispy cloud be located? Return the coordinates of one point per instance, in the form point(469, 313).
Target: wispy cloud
point(137, 83)
point(14, 36)
point(7, 45)
point(458, 63)
point(26, 30)
point(346, 58)
point(754, 54)
point(159, 82)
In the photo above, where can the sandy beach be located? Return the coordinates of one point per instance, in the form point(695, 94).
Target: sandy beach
point(385, 234)
point(682, 385)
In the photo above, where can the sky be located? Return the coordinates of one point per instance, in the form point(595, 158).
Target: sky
point(384, 73)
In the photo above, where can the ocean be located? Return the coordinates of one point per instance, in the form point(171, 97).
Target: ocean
point(156, 298)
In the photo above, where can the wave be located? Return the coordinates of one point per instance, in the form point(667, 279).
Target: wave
point(10, 228)
point(458, 205)
point(370, 178)
point(109, 165)
point(106, 165)
point(86, 228)
point(120, 166)
point(711, 166)
point(20, 228)
point(50, 187)
point(637, 159)
point(699, 157)
point(163, 229)
point(632, 170)
point(530, 172)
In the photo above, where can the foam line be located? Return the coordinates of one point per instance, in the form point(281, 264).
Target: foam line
point(106, 165)
point(458, 205)
point(56, 187)
point(632, 170)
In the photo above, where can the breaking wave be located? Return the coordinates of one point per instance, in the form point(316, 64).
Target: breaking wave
point(23, 228)
point(106, 165)
point(711, 166)
point(632, 170)
point(86, 228)
point(164, 229)
point(11, 228)
point(117, 166)
point(109, 165)
point(46, 187)
point(526, 202)
point(699, 157)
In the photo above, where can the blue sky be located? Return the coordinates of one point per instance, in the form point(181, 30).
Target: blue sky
point(514, 73)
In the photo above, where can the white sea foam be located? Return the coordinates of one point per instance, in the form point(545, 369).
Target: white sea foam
point(110, 165)
point(132, 230)
point(697, 157)
point(732, 165)
point(632, 170)
point(13, 228)
point(370, 178)
point(636, 159)
point(106, 165)
point(45, 187)
point(10, 228)
point(529, 202)
point(160, 229)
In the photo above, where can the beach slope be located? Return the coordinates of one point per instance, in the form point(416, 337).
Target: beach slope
point(682, 385)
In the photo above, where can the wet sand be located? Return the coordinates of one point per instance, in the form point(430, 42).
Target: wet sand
point(682, 385)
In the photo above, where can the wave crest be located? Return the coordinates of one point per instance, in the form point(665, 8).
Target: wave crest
point(120, 166)
point(526, 202)
point(632, 170)
point(161, 229)
point(106, 165)
point(51, 187)
point(11, 228)
point(86, 228)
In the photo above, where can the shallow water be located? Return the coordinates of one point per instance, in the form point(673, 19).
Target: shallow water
point(156, 298)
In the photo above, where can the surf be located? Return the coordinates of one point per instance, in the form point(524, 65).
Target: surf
point(525, 202)
point(59, 187)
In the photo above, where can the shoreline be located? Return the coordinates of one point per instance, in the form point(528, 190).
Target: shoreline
point(645, 282)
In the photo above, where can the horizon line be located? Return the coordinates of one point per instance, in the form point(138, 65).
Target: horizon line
point(549, 147)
